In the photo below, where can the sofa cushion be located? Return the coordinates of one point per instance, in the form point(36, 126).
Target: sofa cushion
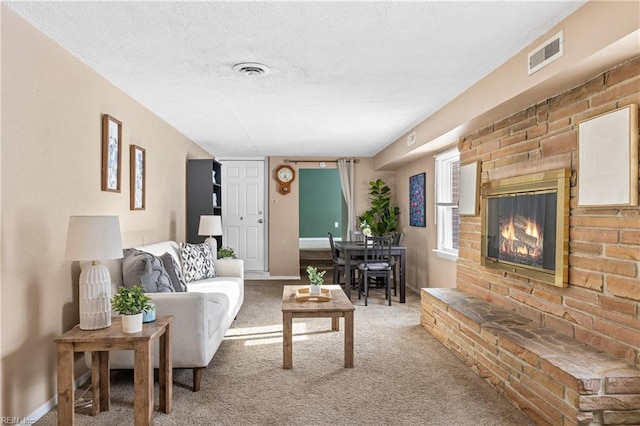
point(197, 261)
point(139, 267)
point(175, 273)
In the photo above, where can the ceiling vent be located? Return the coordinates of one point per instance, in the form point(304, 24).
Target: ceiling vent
point(411, 139)
point(251, 68)
point(546, 53)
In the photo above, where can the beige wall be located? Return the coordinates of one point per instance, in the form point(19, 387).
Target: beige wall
point(424, 267)
point(284, 259)
point(1, 180)
point(51, 109)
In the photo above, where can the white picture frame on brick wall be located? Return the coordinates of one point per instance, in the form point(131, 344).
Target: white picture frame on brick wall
point(469, 202)
point(608, 159)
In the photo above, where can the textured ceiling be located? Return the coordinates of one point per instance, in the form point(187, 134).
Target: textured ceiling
point(346, 78)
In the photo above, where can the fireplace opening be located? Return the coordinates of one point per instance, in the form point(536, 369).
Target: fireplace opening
point(525, 226)
point(522, 229)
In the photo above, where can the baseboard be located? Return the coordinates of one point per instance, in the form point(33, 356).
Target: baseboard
point(50, 404)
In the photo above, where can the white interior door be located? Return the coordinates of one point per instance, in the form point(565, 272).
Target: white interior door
point(243, 218)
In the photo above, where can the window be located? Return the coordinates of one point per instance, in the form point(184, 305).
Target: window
point(447, 219)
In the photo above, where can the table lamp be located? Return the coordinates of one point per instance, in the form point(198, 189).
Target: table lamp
point(94, 238)
point(211, 226)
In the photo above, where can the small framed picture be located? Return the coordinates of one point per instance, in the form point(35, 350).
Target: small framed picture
point(137, 177)
point(111, 153)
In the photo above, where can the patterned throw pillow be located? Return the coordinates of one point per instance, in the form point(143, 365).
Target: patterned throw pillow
point(197, 261)
point(174, 272)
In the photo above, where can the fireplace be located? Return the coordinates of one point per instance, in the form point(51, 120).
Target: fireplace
point(525, 224)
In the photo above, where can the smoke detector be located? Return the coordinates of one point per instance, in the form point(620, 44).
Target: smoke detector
point(251, 68)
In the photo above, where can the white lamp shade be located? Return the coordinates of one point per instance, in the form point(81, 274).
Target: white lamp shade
point(210, 225)
point(93, 238)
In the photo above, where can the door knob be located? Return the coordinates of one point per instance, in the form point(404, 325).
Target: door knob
point(260, 221)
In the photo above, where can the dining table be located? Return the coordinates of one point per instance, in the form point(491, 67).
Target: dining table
point(352, 250)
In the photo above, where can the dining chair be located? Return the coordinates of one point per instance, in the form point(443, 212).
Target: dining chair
point(397, 241)
point(356, 236)
point(338, 262)
point(376, 264)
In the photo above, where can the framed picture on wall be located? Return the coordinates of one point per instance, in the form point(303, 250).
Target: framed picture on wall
point(137, 177)
point(111, 153)
point(608, 158)
point(417, 203)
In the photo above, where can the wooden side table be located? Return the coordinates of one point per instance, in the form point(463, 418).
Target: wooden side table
point(99, 343)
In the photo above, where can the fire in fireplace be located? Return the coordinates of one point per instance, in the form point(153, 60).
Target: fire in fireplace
point(525, 221)
point(518, 226)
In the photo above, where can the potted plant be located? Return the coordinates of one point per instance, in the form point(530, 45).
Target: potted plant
point(226, 253)
point(366, 229)
point(382, 217)
point(315, 279)
point(131, 303)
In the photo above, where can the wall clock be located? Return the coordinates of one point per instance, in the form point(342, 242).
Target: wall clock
point(284, 175)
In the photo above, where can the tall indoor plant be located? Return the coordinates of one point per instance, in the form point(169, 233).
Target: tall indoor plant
point(382, 216)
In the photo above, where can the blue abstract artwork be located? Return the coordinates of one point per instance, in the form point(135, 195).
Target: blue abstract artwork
point(417, 200)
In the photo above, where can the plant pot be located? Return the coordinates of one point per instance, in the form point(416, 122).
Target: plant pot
point(314, 289)
point(132, 323)
point(150, 315)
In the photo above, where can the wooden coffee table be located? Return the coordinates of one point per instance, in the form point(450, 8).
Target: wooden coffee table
point(338, 306)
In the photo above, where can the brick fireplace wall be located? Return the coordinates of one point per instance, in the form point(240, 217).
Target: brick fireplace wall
point(600, 306)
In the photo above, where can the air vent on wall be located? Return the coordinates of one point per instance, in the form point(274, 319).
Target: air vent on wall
point(411, 139)
point(546, 53)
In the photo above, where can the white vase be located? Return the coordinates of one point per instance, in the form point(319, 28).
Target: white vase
point(131, 323)
point(314, 289)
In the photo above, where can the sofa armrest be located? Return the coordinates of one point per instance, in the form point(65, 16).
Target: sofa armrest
point(229, 268)
point(190, 326)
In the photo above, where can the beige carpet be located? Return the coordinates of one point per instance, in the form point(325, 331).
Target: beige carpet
point(402, 375)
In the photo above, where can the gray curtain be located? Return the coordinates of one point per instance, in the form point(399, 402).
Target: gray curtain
point(346, 168)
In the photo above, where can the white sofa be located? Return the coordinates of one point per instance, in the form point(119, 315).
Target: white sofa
point(202, 314)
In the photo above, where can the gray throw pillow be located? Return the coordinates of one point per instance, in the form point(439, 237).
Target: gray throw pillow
point(139, 267)
point(174, 272)
point(197, 261)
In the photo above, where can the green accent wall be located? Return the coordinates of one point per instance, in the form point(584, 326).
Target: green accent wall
point(320, 203)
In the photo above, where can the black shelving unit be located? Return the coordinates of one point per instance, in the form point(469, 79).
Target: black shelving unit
point(204, 195)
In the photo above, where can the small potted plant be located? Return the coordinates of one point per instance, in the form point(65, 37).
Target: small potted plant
point(226, 253)
point(315, 279)
point(366, 229)
point(131, 303)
